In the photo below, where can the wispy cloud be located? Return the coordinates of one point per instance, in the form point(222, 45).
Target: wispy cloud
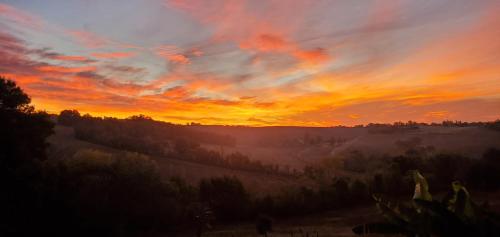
point(113, 55)
point(88, 38)
point(18, 16)
point(313, 63)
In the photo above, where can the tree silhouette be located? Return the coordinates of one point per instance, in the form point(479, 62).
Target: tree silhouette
point(11, 96)
point(68, 117)
point(227, 197)
point(22, 146)
point(23, 130)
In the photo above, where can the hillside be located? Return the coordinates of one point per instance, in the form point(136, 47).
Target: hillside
point(63, 144)
point(287, 146)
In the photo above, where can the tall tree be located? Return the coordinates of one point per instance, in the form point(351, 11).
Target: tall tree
point(11, 96)
point(23, 130)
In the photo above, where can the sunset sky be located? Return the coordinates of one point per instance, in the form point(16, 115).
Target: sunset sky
point(258, 63)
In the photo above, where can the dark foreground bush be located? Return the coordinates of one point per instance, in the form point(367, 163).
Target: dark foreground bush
point(455, 215)
point(99, 194)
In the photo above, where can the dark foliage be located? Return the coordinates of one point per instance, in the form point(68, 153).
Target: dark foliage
point(68, 117)
point(484, 174)
point(145, 135)
point(494, 125)
point(227, 197)
point(264, 225)
point(92, 194)
point(22, 149)
point(116, 195)
point(89, 127)
point(11, 96)
point(479, 174)
point(455, 215)
point(22, 130)
point(337, 194)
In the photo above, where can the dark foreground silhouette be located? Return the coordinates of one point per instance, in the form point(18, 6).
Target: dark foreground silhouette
point(95, 193)
point(456, 215)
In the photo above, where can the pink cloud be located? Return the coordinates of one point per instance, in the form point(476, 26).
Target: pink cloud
point(269, 27)
point(89, 39)
point(197, 52)
point(267, 43)
point(71, 58)
point(178, 58)
point(312, 57)
point(172, 54)
point(19, 16)
point(113, 55)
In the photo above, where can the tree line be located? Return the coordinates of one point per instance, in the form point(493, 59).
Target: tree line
point(391, 174)
point(145, 135)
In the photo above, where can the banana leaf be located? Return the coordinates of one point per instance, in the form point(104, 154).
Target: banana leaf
point(421, 187)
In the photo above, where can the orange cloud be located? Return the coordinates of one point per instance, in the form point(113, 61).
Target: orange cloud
point(277, 44)
point(178, 58)
point(71, 58)
point(61, 69)
point(113, 55)
point(266, 43)
point(253, 30)
point(171, 53)
point(438, 114)
point(354, 116)
point(177, 92)
point(453, 77)
point(312, 57)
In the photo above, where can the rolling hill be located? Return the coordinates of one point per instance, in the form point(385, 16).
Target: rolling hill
point(63, 145)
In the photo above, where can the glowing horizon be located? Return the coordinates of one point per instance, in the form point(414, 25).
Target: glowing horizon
point(257, 63)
